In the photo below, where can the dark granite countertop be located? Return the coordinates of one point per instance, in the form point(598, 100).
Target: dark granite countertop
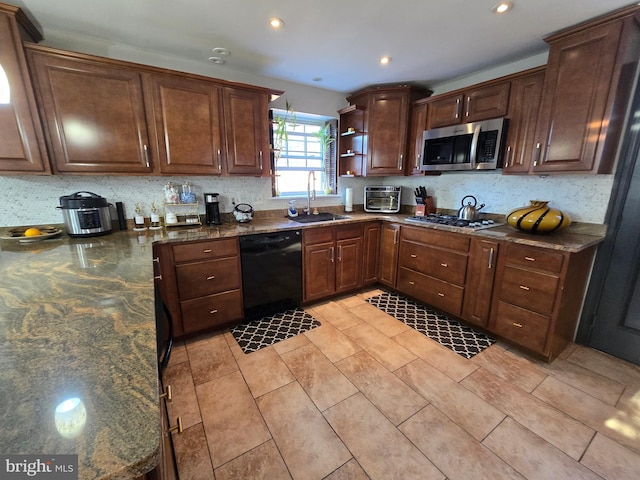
point(77, 322)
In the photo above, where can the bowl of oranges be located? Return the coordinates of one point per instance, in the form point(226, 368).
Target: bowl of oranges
point(31, 233)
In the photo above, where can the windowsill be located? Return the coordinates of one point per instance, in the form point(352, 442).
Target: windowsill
point(304, 197)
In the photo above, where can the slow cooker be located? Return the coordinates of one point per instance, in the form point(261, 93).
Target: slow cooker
point(86, 214)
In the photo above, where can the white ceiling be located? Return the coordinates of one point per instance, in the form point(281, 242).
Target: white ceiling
point(338, 40)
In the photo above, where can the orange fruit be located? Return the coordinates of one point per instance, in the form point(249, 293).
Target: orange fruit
point(32, 232)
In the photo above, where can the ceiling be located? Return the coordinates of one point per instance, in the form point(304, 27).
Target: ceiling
point(339, 41)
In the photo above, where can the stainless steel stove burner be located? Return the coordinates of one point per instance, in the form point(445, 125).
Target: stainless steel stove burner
point(452, 221)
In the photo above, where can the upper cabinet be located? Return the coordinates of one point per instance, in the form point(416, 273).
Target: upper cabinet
point(22, 149)
point(589, 78)
point(386, 125)
point(470, 105)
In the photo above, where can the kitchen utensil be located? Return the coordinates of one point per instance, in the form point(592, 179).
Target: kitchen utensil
point(469, 211)
point(86, 214)
point(243, 213)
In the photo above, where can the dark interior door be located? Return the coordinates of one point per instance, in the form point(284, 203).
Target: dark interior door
point(611, 317)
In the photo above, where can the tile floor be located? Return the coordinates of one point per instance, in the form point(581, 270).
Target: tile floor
point(364, 396)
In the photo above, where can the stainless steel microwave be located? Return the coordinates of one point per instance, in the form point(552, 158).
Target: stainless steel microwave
point(472, 146)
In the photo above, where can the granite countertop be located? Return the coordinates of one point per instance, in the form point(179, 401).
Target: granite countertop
point(77, 328)
point(77, 325)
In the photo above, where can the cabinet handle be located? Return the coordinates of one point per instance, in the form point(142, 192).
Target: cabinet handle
point(395, 237)
point(525, 288)
point(508, 155)
point(159, 276)
point(440, 294)
point(400, 162)
point(412, 283)
point(260, 159)
point(219, 160)
point(530, 259)
point(146, 155)
point(516, 324)
point(444, 265)
point(537, 154)
point(413, 255)
point(206, 250)
point(167, 394)
point(417, 166)
point(340, 253)
point(332, 254)
point(211, 277)
point(490, 258)
point(468, 106)
point(457, 108)
point(176, 428)
point(214, 311)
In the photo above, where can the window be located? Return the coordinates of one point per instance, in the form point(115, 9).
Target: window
point(303, 143)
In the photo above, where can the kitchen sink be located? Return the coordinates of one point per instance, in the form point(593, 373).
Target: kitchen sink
point(320, 217)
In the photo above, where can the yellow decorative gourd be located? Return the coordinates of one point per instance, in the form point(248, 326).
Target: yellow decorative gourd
point(538, 218)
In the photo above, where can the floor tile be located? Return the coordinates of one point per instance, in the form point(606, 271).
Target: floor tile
point(231, 419)
point(465, 408)
point(349, 471)
point(332, 342)
point(510, 367)
point(370, 293)
point(630, 401)
point(588, 381)
point(292, 343)
point(184, 402)
point(456, 453)
point(379, 319)
point(264, 371)
point(608, 420)
point(262, 463)
point(339, 316)
point(308, 445)
point(210, 359)
point(569, 435)
point(351, 301)
point(439, 356)
point(381, 450)
point(610, 460)
point(320, 378)
point(178, 353)
point(381, 347)
point(606, 365)
point(192, 454)
point(388, 393)
point(533, 457)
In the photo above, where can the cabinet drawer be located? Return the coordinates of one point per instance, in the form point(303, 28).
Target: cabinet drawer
point(217, 310)
point(442, 264)
point(317, 235)
point(452, 241)
point(349, 231)
point(532, 290)
point(521, 326)
point(204, 250)
point(439, 294)
point(534, 258)
point(206, 278)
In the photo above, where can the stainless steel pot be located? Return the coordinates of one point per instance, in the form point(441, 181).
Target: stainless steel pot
point(86, 214)
point(469, 211)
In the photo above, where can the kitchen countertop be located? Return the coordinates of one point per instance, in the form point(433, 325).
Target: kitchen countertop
point(77, 321)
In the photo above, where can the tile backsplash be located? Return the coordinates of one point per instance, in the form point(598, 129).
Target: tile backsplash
point(29, 199)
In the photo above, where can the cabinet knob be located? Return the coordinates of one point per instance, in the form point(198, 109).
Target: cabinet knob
point(524, 287)
point(440, 294)
point(176, 428)
point(444, 265)
point(214, 311)
point(167, 394)
point(206, 250)
point(413, 255)
point(530, 259)
point(211, 277)
point(516, 324)
point(412, 283)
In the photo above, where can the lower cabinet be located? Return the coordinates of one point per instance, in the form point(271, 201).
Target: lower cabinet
point(332, 260)
point(371, 253)
point(388, 261)
point(481, 272)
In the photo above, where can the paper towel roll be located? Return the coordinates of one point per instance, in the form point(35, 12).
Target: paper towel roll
point(348, 199)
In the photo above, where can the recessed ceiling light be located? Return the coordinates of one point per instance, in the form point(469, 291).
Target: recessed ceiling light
point(502, 7)
point(221, 51)
point(385, 60)
point(216, 60)
point(276, 22)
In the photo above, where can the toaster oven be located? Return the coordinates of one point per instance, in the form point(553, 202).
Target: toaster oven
point(381, 199)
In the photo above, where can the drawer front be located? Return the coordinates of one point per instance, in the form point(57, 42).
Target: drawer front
point(532, 290)
point(442, 264)
point(317, 235)
point(536, 258)
point(521, 326)
point(452, 241)
point(206, 278)
point(211, 311)
point(434, 292)
point(188, 252)
point(349, 231)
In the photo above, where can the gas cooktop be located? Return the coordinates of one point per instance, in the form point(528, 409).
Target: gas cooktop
point(452, 221)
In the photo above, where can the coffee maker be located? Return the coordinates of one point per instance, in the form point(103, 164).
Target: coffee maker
point(212, 209)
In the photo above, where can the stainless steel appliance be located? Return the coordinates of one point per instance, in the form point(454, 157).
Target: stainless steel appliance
point(469, 211)
point(453, 221)
point(472, 146)
point(212, 208)
point(381, 199)
point(86, 214)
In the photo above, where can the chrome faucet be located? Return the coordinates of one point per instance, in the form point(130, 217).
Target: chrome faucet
point(309, 196)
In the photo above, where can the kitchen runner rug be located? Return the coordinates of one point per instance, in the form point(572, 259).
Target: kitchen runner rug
point(463, 340)
point(273, 329)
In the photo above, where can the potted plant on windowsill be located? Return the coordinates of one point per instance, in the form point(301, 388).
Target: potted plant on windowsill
point(280, 133)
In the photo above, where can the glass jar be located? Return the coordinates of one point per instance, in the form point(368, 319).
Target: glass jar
point(171, 193)
point(187, 195)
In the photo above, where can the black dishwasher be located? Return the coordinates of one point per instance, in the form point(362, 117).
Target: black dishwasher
point(271, 273)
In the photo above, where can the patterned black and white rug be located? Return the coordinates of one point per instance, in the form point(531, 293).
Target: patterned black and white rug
point(273, 329)
point(463, 340)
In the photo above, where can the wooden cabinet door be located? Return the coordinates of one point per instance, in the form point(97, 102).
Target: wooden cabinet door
point(348, 264)
point(188, 121)
point(481, 269)
point(524, 103)
point(445, 111)
point(389, 238)
point(388, 119)
point(94, 114)
point(319, 271)
point(418, 126)
point(246, 131)
point(575, 109)
point(371, 253)
point(487, 102)
point(22, 147)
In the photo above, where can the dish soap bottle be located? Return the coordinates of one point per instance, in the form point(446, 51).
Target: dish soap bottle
point(138, 219)
point(292, 212)
point(155, 218)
